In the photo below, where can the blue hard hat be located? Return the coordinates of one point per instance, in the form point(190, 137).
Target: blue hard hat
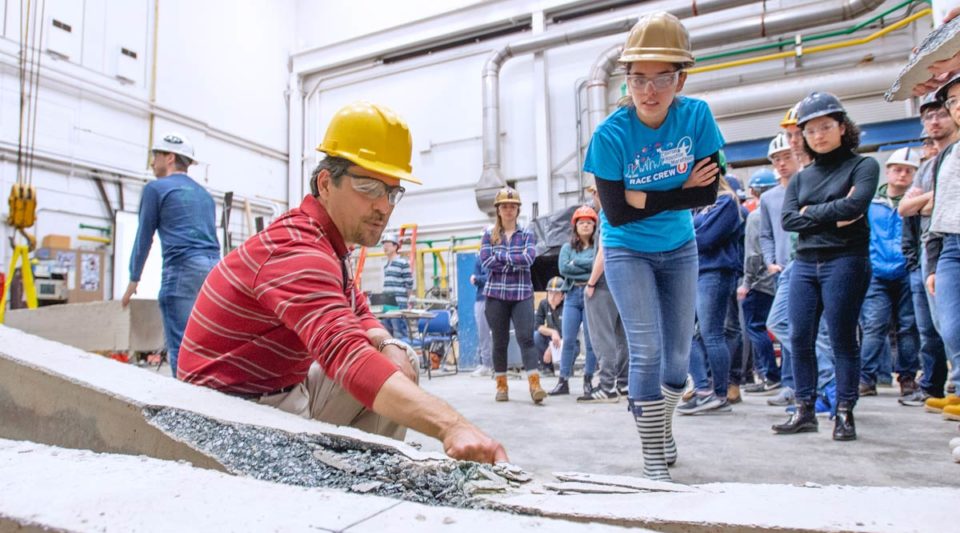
point(817, 104)
point(762, 179)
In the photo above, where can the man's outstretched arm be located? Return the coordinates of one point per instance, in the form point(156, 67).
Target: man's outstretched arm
point(404, 402)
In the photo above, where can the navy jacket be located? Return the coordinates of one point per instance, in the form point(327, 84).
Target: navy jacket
point(719, 230)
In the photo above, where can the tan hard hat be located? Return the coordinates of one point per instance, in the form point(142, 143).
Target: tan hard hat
point(658, 36)
point(507, 195)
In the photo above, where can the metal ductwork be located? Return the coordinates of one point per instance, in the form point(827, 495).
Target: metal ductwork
point(492, 178)
point(705, 33)
point(867, 80)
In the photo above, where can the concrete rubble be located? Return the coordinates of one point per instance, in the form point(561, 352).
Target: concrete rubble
point(180, 440)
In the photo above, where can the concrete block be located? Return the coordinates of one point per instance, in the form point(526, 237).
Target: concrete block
point(63, 396)
point(95, 326)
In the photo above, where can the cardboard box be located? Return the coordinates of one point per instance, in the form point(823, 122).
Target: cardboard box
point(56, 241)
point(86, 267)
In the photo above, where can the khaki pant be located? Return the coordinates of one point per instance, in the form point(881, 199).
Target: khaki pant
point(321, 398)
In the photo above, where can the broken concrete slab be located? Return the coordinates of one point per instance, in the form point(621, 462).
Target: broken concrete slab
point(756, 507)
point(639, 484)
point(95, 326)
point(940, 44)
point(44, 487)
point(64, 396)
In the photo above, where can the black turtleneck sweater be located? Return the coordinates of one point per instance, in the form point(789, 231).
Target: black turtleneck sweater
point(824, 189)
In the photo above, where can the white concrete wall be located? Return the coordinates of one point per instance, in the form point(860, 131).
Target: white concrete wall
point(222, 70)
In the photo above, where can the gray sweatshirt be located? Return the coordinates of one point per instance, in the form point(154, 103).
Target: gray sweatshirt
point(774, 241)
point(946, 213)
point(755, 276)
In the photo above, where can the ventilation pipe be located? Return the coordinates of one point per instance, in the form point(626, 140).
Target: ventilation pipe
point(492, 177)
point(704, 35)
point(860, 81)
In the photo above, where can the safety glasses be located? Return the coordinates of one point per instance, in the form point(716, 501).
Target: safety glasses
point(375, 189)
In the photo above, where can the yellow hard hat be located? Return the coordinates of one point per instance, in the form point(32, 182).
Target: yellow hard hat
point(371, 136)
point(507, 195)
point(658, 36)
point(790, 118)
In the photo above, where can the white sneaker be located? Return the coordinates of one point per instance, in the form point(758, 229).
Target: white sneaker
point(482, 372)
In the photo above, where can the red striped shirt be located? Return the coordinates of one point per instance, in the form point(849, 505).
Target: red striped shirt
point(276, 304)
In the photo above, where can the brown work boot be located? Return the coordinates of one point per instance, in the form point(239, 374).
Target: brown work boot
point(733, 393)
point(502, 395)
point(536, 391)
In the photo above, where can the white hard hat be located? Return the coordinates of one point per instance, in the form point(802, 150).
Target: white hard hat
point(905, 156)
point(777, 145)
point(175, 143)
point(389, 237)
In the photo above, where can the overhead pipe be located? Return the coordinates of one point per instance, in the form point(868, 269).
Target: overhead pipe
point(492, 178)
point(860, 81)
point(763, 25)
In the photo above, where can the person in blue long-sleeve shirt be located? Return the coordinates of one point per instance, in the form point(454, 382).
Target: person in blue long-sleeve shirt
point(184, 215)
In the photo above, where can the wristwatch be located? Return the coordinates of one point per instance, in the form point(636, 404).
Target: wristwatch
point(411, 354)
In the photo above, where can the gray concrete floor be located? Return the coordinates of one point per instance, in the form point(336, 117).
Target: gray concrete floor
point(897, 446)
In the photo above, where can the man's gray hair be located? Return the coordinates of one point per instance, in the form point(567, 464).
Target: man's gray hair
point(336, 166)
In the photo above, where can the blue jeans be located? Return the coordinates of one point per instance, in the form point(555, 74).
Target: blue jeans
point(778, 323)
point(933, 356)
point(947, 287)
point(573, 315)
point(656, 294)
point(179, 286)
point(886, 300)
point(733, 333)
point(713, 292)
point(756, 308)
point(833, 289)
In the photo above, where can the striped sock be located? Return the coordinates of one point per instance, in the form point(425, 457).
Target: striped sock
point(670, 398)
point(649, 417)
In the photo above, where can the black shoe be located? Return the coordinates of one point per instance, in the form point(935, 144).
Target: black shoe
point(587, 385)
point(844, 427)
point(622, 389)
point(563, 387)
point(804, 419)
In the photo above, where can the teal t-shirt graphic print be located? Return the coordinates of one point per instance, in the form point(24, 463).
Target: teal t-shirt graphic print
point(647, 159)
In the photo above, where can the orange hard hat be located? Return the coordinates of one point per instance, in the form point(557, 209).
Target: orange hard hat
point(584, 211)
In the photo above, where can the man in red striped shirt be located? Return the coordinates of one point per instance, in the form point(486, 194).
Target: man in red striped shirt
point(280, 321)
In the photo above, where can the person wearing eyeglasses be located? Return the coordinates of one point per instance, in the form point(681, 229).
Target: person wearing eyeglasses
point(183, 213)
point(940, 132)
point(942, 250)
point(655, 158)
point(826, 204)
point(281, 322)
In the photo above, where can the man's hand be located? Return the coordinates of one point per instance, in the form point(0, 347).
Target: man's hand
point(555, 339)
point(636, 199)
point(466, 442)
point(704, 173)
point(473, 279)
point(589, 291)
point(932, 284)
point(774, 269)
point(742, 292)
point(398, 356)
point(131, 290)
point(927, 208)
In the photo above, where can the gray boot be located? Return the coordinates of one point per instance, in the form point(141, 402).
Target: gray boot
point(649, 417)
point(670, 399)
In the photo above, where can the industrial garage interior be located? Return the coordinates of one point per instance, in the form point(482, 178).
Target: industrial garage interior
point(277, 265)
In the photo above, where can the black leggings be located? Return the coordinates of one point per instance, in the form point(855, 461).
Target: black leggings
point(499, 313)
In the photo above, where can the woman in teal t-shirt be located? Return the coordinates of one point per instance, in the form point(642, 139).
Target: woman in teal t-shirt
point(655, 158)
